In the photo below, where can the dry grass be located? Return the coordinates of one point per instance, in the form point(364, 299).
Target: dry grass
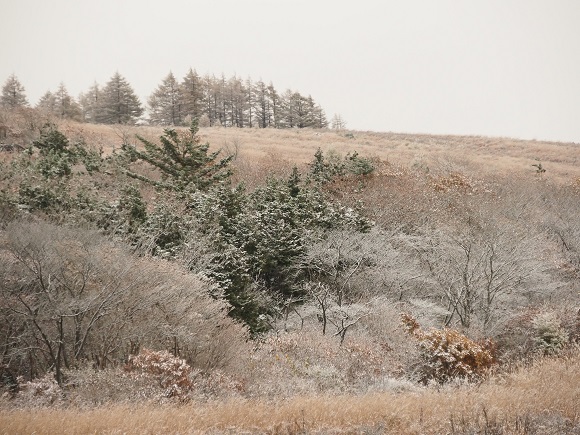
point(437, 154)
point(542, 398)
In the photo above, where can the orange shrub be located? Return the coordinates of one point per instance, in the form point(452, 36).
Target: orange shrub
point(449, 354)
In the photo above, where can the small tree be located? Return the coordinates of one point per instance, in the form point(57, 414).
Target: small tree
point(13, 94)
point(182, 160)
point(337, 122)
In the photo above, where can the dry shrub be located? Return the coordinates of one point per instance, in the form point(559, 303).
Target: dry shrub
point(539, 398)
point(171, 373)
point(454, 181)
point(40, 392)
point(449, 354)
point(549, 336)
point(307, 362)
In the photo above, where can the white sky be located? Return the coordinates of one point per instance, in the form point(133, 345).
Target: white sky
point(480, 67)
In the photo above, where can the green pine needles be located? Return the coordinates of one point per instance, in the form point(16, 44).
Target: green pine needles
point(183, 161)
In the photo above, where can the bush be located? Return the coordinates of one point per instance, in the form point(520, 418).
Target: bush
point(549, 337)
point(171, 373)
point(449, 354)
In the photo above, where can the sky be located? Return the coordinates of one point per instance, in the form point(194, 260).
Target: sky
point(500, 68)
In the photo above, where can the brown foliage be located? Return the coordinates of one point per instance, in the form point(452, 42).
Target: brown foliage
point(172, 373)
point(450, 354)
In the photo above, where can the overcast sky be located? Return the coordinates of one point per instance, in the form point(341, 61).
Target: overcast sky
point(479, 67)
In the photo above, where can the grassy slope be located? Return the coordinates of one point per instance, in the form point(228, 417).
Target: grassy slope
point(547, 393)
point(542, 398)
point(481, 155)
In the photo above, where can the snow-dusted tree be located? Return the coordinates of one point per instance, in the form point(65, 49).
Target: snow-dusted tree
point(165, 102)
point(250, 97)
point(120, 105)
point(262, 104)
point(13, 94)
point(237, 102)
point(183, 161)
point(47, 102)
point(315, 116)
point(65, 105)
point(60, 104)
point(276, 105)
point(191, 96)
point(337, 122)
point(90, 103)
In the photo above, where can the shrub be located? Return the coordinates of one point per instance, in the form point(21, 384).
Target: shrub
point(550, 338)
point(449, 354)
point(172, 373)
point(40, 392)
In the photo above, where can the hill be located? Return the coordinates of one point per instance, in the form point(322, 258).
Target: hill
point(429, 282)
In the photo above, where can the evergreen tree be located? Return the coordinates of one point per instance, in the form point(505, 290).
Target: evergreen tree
point(184, 162)
point(65, 106)
point(13, 94)
point(275, 121)
point(47, 103)
point(60, 104)
point(262, 105)
point(91, 105)
point(249, 88)
point(191, 96)
point(210, 99)
point(165, 102)
point(119, 105)
point(237, 102)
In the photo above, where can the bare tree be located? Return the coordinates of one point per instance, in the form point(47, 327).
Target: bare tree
point(70, 296)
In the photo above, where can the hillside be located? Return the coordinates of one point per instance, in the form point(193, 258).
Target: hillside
point(474, 154)
point(330, 281)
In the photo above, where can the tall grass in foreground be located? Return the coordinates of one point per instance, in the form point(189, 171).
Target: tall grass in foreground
point(541, 398)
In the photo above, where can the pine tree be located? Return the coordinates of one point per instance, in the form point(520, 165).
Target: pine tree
point(91, 103)
point(184, 162)
point(65, 106)
point(120, 105)
point(262, 106)
point(191, 96)
point(165, 102)
point(276, 106)
point(47, 103)
point(250, 96)
point(13, 94)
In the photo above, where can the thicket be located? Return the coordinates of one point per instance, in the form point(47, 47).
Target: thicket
point(155, 247)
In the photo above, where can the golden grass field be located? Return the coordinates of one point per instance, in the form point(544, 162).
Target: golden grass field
point(543, 398)
point(475, 154)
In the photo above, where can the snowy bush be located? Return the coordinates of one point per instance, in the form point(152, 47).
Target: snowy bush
point(448, 354)
point(172, 373)
point(549, 336)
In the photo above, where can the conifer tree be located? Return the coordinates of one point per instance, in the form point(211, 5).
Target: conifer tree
point(47, 102)
point(191, 96)
point(91, 103)
point(13, 94)
point(183, 161)
point(165, 102)
point(65, 105)
point(119, 105)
